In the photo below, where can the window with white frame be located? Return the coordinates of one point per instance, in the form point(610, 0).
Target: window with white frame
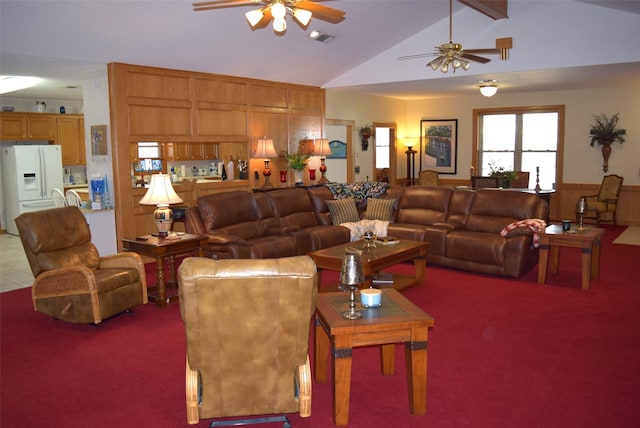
point(521, 139)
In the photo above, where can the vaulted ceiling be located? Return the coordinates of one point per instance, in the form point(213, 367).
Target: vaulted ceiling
point(557, 44)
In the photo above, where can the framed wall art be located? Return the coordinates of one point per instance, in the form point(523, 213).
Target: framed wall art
point(439, 145)
point(338, 150)
point(99, 140)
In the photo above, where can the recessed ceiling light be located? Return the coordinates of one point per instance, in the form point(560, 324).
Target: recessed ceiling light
point(15, 83)
point(314, 34)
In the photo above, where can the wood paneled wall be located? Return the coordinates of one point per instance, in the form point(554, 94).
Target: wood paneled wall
point(179, 107)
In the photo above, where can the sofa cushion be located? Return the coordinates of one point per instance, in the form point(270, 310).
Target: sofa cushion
point(293, 207)
point(379, 209)
point(424, 205)
point(343, 211)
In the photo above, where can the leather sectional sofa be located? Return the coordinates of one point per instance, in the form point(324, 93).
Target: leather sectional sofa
point(461, 226)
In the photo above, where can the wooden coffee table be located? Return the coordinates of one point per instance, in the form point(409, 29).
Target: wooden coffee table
point(588, 240)
point(159, 248)
point(396, 320)
point(376, 259)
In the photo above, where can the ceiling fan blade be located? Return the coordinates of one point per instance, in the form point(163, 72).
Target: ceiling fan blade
point(475, 58)
point(320, 11)
point(221, 4)
point(482, 51)
point(416, 56)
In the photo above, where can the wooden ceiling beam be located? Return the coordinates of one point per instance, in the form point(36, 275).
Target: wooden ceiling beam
point(496, 9)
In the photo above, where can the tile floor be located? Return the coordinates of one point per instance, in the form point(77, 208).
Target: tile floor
point(14, 268)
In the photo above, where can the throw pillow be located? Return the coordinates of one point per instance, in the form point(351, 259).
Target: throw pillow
point(343, 210)
point(379, 209)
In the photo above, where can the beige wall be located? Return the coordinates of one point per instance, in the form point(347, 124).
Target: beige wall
point(582, 167)
point(365, 109)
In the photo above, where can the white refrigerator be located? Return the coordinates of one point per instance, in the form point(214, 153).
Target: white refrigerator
point(29, 174)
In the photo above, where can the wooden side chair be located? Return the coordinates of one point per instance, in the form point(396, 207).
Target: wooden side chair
point(73, 198)
point(521, 181)
point(603, 206)
point(428, 177)
point(480, 182)
point(58, 198)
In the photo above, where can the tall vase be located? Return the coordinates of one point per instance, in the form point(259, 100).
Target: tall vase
point(606, 152)
point(299, 177)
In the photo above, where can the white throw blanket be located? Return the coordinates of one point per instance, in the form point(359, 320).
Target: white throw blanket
point(358, 228)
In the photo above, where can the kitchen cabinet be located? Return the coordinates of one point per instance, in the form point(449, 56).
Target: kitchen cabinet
point(27, 126)
point(191, 151)
point(70, 135)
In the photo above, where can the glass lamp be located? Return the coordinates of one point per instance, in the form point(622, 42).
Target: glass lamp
point(321, 147)
point(161, 194)
point(265, 149)
point(351, 276)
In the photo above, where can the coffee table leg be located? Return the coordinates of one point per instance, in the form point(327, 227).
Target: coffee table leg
point(416, 365)
point(420, 265)
point(341, 379)
point(321, 352)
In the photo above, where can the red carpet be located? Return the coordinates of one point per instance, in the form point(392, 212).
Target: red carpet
point(503, 353)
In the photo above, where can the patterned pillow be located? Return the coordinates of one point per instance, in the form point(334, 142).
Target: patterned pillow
point(379, 209)
point(343, 210)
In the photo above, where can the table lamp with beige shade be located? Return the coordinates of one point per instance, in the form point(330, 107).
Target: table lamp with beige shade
point(321, 148)
point(265, 149)
point(161, 194)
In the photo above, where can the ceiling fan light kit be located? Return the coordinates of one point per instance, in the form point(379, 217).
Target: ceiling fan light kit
point(454, 56)
point(276, 10)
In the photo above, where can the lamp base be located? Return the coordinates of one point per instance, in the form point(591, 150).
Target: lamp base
point(163, 217)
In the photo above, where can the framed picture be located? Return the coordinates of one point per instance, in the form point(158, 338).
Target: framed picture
point(99, 140)
point(338, 150)
point(439, 145)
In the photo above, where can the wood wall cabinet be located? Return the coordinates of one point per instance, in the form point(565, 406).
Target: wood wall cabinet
point(27, 126)
point(70, 135)
point(190, 151)
point(200, 116)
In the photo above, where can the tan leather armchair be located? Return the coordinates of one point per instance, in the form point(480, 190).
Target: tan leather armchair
point(72, 282)
point(606, 201)
point(247, 325)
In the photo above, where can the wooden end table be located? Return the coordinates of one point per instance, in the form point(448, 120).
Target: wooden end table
point(397, 320)
point(158, 248)
point(378, 258)
point(588, 240)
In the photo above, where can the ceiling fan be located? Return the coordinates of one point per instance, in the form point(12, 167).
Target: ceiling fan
point(301, 10)
point(453, 55)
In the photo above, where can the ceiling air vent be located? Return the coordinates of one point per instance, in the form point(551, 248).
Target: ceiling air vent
point(320, 37)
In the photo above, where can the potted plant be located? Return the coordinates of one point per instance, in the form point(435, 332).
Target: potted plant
point(297, 162)
point(604, 132)
point(365, 134)
point(506, 177)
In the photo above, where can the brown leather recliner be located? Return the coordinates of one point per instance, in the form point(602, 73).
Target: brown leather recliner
point(72, 282)
point(247, 325)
